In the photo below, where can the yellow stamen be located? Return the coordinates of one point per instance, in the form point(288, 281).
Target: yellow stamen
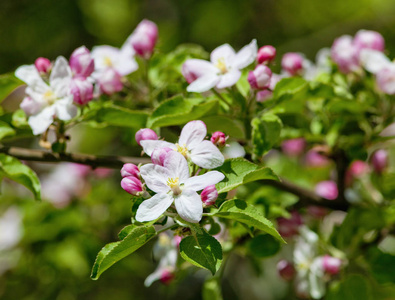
point(49, 96)
point(108, 61)
point(221, 65)
point(182, 149)
point(173, 183)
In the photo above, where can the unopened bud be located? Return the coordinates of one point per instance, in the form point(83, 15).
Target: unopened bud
point(219, 139)
point(292, 63)
point(110, 81)
point(81, 62)
point(43, 65)
point(289, 227)
point(145, 134)
point(293, 147)
point(327, 189)
point(158, 156)
point(344, 54)
point(144, 38)
point(331, 265)
point(166, 277)
point(132, 185)
point(260, 78)
point(130, 170)
point(82, 90)
point(368, 39)
point(266, 54)
point(264, 95)
point(315, 159)
point(209, 195)
point(286, 270)
point(379, 160)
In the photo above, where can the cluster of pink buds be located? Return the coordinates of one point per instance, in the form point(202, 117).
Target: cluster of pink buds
point(131, 181)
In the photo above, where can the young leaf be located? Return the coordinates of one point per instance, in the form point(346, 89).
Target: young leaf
point(13, 169)
point(245, 213)
point(8, 83)
point(265, 133)
point(5, 130)
point(113, 252)
point(202, 250)
point(239, 171)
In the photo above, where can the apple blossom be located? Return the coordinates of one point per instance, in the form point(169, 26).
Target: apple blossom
point(344, 54)
point(266, 54)
point(264, 95)
point(292, 63)
point(43, 65)
point(109, 81)
point(222, 71)
point(385, 79)
point(171, 183)
point(373, 60)
point(130, 170)
point(327, 189)
point(209, 195)
point(191, 145)
point(52, 100)
point(331, 265)
point(143, 38)
point(218, 138)
point(81, 62)
point(260, 78)
point(158, 155)
point(145, 134)
point(82, 90)
point(368, 39)
point(132, 185)
point(379, 160)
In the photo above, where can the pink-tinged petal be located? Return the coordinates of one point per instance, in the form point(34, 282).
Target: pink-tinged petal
point(30, 75)
point(195, 68)
point(229, 79)
point(193, 134)
point(40, 122)
point(150, 145)
point(198, 183)
point(246, 55)
point(207, 155)
point(60, 70)
point(373, 60)
point(189, 206)
point(204, 83)
point(223, 52)
point(155, 177)
point(176, 165)
point(153, 207)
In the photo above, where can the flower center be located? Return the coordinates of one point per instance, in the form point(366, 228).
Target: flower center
point(108, 61)
point(221, 65)
point(49, 97)
point(174, 184)
point(182, 149)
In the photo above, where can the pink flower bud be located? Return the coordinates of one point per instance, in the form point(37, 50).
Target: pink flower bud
point(158, 156)
point(379, 160)
point(219, 139)
point(43, 65)
point(144, 38)
point(344, 54)
point(166, 277)
point(315, 159)
point(327, 189)
point(130, 170)
point(385, 79)
point(145, 134)
point(260, 78)
point(30, 107)
point(132, 185)
point(293, 147)
point(331, 265)
point(266, 54)
point(358, 168)
point(292, 63)
point(81, 62)
point(110, 81)
point(82, 90)
point(209, 195)
point(289, 227)
point(262, 96)
point(286, 270)
point(368, 39)
point(177, 240)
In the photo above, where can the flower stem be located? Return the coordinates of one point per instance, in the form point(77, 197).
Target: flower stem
point(221, 97)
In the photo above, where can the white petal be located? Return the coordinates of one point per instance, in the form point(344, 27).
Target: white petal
point(176, 165)
point(197, 183)
point(373, 60)
point(246, 55)
point(193, 134)
point(40, 122)
point(104, 55)
point(126, 63)
point(150, 145)
point(189, 206)
point(30, 75)
point(153, 207)
point(65, 109)
point(199, 67)
point(156, 177)
point(206, 155)
point(224, 51)
point(204, 83)
point(229, 79)
point(60, 70)
point(153, 277)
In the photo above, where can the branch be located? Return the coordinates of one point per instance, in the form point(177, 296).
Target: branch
point(115, 162)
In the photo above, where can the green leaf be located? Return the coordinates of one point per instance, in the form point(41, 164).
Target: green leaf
point(231, 127)
point(5, 130)
point(177, 111)
point(354, 287)
point(113, 252)
point(265, 133)
point(240, 171)
point(202, 250)
point(287, 87)
point(13, 169)
point(212, 289)
point(19, 119)
point(245, 213)
point(263, 245)
point(8, 83)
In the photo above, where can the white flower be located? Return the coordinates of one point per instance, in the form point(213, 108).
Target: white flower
point(224, 69)
point(374, 61)
point(172, 183)
point(192, 145)
point(48, 101)
point(11, 229)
